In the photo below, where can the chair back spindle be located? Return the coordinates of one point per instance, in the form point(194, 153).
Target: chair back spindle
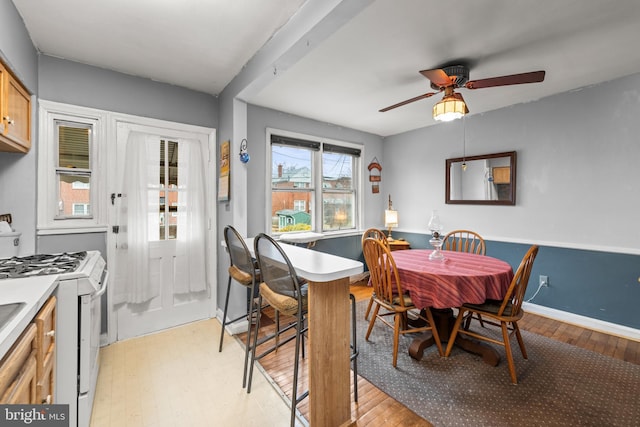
point(464, 241)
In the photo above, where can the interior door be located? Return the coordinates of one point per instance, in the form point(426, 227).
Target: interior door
point(172, 305)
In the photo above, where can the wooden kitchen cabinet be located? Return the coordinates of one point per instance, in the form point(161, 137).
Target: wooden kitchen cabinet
point(27, 370)
point(15, 113)
point(18, 370)
point(502, 175)
point(45, 322)
point(23, 390)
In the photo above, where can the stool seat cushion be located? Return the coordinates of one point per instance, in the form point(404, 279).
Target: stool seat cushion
point(283, 303)
point(240, 276)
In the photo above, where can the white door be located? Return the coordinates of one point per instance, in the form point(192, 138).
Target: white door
point(173, 302)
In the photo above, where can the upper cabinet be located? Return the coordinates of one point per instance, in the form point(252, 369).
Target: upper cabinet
point(15, 113)
point(502, 175)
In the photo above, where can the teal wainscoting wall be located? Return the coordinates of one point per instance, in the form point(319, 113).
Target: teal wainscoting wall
point(596, 284)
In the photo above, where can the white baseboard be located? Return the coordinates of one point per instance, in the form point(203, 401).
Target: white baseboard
point(238, 327)
point(583, 321)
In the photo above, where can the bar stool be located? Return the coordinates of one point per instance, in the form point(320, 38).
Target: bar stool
point(287, 293)
point(243, 269)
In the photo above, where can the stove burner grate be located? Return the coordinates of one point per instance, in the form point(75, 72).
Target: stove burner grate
point(40, 265)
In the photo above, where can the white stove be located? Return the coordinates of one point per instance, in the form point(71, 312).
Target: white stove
point(82, 279)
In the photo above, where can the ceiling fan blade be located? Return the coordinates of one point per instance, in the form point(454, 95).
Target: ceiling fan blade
point(513, 79)
point(437, 76)
point(408, 101)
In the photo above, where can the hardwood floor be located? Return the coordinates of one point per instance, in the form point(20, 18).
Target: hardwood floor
point(153, 381)
point(375, 408)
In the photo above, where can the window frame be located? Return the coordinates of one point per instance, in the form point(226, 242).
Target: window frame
point(51, 113)
point(316, 186)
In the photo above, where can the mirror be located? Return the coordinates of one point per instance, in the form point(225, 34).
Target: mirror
point(489, 179)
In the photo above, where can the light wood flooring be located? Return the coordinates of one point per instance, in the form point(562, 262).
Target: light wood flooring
point(177, 377)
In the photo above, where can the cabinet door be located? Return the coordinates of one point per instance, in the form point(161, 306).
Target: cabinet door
point(46, 382)
point(45, 322)
point(3, 101)
point(15, 114)
point(502, 175)
point(23, 389)
point(16, 359)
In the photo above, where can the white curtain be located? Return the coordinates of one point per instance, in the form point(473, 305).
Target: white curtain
point(138, 219)
point(190, 240)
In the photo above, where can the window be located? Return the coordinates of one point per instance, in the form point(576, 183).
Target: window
point(80, 209)
point(314, 184)
point(77, 185)
point(168, 194)
point(69, 179)
point(299, 205)
point(73, 168)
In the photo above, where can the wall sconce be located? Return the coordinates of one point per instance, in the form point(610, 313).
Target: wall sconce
point(390, 219)
point(244, 155)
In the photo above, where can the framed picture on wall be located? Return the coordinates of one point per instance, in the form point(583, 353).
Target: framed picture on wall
point(225, 172)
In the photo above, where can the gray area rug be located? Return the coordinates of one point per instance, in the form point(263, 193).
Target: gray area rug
point(559, 385)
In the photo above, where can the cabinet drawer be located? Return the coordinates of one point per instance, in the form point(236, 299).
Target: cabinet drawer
point(45, 384)
point(17, 359)
point(45, 321)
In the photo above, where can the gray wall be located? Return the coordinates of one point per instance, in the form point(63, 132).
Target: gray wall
point(258, 120)
point(78, 84)
point(18, 171)
point(578, 193)
point(578, 181)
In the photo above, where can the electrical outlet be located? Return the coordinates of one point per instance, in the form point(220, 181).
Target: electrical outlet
point(544, 280)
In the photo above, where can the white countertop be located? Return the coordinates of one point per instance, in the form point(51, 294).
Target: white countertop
point(317, 266)
point(300, 237)
point(33, 291)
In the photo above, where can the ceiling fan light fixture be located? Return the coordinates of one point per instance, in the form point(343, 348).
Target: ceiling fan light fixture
point(449, 108)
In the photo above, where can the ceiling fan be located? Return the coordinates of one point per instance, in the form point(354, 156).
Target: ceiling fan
point(457, 76)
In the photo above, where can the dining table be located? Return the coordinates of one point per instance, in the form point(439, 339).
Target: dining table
point(329, 331)
point(443, 285)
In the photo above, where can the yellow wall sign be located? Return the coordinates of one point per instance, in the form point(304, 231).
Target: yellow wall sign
point(225, 171)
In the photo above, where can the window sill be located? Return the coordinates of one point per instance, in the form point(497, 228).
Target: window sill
point(47, 231)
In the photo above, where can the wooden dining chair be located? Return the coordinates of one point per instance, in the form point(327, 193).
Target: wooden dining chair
point(505, 313)
point(379, 235)
point(465, 241)
point(390, 297)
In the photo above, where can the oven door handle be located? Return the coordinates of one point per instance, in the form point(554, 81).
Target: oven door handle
point(103, 287)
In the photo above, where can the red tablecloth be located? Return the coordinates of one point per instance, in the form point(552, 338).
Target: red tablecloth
point(460, 278)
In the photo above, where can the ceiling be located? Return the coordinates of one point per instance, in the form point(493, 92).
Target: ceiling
point(369, 60)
